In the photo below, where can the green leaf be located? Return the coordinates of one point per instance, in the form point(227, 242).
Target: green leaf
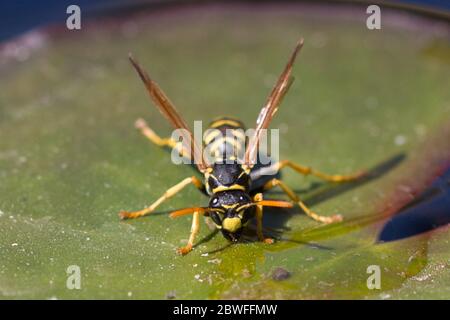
point(70, 158)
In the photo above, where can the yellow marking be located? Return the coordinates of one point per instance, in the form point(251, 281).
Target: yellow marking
point(222, 122)
point(236, 144)
point(231, 224)
point(211, 135)
point(226, 188)
point(246, 168)
point(231, 206)
point(239, 133)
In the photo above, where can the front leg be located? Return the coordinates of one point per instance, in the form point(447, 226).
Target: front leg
point(167, 195)
point(259, 215)
point(195, 228)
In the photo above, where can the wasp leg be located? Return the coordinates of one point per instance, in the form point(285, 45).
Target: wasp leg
point(291, 194)
point(308, 170)
point(194, 231)
point(156, 139)
point(259, 216)
point(167, 195)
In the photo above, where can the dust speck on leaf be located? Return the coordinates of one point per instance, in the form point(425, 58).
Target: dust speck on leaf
point(215, 261)
point(280, 274)
point(171, 295)
point(400, 140)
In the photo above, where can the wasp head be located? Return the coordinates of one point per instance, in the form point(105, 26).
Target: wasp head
point(230, 211)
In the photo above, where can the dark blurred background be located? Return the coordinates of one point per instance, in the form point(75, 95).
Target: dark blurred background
point(19, 16)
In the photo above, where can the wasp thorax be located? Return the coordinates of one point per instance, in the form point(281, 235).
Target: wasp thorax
point(227, 176)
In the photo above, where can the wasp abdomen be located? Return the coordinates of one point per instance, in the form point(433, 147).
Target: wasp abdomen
point(225, 140)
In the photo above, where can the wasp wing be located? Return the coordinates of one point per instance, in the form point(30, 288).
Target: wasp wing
point(266, 114)
point(167, 108)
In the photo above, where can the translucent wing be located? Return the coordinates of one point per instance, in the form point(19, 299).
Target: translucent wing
point(266, 114)
point(168, 110)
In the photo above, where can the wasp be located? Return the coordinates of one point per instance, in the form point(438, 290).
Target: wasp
point(233, 187)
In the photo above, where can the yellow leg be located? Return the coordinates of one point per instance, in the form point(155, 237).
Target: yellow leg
point(291, 194)
point(259, 216)
point(161, 142)
point(307, 170)
point(194, 231)
point(167, 195)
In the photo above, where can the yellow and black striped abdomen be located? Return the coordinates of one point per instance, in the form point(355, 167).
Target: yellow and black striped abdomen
point(225, 139)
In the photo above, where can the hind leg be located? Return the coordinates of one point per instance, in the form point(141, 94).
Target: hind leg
point(156, 139)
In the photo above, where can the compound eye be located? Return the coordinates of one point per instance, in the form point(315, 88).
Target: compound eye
point(216, 218)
